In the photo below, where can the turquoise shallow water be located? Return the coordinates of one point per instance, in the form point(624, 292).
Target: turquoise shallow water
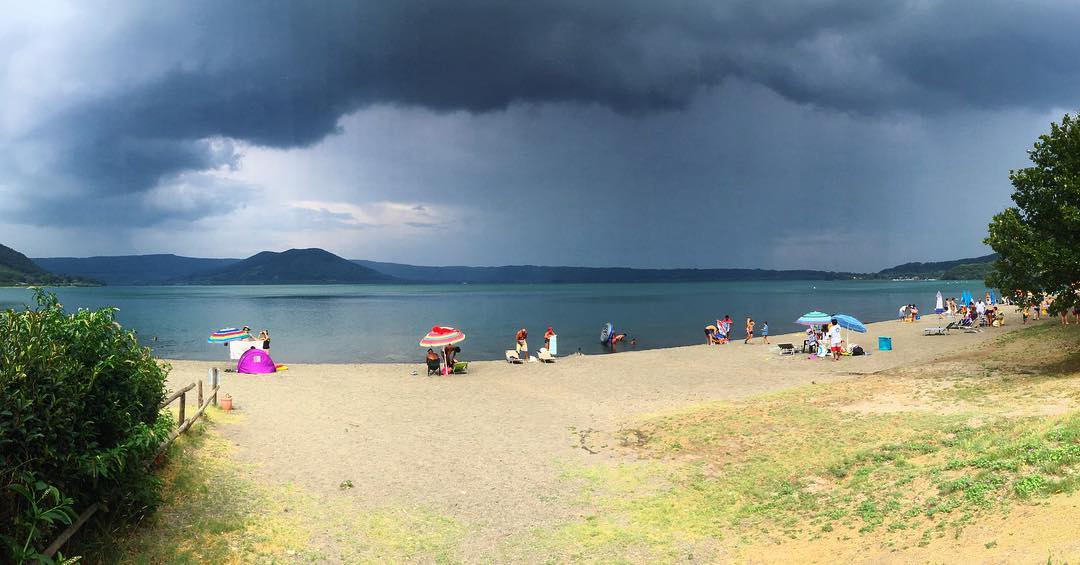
point(382, 323)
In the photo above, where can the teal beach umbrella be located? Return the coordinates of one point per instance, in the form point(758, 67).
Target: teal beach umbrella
point(814, 318)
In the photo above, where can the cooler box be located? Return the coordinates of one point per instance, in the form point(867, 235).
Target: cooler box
point(238, 347)
point(884, 343)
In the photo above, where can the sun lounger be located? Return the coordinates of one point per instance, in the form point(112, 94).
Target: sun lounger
point(937, 330)
point(786, 349)
point(512, 357)
point(545, 356)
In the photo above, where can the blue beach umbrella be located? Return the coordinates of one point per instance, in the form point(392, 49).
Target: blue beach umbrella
point(814, 318)
point(849, 323)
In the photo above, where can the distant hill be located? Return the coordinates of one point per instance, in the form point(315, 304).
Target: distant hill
point(133, 269)
point(540, 274)
point(968, 271)
point(295, 266)
point(16, 268)
point(937, 270)
point(316, 266)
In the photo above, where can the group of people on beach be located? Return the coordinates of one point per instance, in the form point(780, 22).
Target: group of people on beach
point(450, 353)
point(1043, 308)
point(719, 332)
point(521, 343)
point(984, 311)
point(825, 340)
point(909, 313)
point(264, 337)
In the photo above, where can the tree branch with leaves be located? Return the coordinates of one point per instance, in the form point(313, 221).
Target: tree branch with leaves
point(1039, 239)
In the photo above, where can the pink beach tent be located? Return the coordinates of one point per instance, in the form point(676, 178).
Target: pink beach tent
point(255, 361)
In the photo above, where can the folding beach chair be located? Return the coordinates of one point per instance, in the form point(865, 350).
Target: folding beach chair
point(937, 330)
point(512, 357)
point(461, 368)
point(545, 356)
point(968, 326)
point(786, 349)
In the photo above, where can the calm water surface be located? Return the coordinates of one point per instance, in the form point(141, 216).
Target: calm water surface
point(343, 323)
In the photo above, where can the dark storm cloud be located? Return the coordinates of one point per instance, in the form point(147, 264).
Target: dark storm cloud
point(281, 74)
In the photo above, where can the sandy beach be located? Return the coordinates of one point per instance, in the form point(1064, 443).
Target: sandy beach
point(488, 448)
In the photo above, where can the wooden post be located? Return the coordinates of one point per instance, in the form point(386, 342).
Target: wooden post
point(200, 395)
point(214, 376)
point(183, 400)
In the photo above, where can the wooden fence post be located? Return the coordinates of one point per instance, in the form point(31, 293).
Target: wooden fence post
point(200, 395)
point(214, 372)
point(183, 399)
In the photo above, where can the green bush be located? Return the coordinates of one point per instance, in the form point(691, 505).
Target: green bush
point(79, 419)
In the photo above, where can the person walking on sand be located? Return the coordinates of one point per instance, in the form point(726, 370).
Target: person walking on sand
point(749, 330)
point(765, 332)
point(522, 344)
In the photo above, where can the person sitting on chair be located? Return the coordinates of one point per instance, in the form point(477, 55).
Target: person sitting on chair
point(432, 362)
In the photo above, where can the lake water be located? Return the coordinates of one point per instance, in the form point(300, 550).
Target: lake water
point(382, 323)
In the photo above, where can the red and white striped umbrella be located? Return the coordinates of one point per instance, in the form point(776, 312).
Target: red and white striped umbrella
point(440, 336)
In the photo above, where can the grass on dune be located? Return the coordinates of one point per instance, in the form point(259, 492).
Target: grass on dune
point(791, 466)
point(210, 513)
point(213, 512)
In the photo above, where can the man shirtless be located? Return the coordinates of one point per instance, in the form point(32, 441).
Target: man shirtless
point(523, 345)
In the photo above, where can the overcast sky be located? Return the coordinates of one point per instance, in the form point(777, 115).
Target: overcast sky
point(838, 134)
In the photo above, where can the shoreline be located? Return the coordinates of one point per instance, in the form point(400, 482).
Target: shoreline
point(867, 340)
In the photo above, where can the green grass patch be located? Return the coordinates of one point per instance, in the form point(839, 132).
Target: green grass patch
point(942, 476)
point(210, 514)
point(791, 466)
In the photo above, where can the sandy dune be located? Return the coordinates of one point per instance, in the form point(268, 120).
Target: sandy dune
point(487, 448)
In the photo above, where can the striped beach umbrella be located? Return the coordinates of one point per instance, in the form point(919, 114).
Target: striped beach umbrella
point(814, 318)
point(441, 336)
point(226, 335)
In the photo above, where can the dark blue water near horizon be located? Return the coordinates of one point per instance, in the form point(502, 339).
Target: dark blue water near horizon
point(383, 323)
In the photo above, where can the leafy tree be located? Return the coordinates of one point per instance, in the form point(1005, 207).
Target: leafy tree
point(79, 419)
point(1039, 239)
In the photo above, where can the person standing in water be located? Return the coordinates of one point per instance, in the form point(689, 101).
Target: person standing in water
point(749, 330)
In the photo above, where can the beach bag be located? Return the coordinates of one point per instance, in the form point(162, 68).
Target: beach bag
point(857, 350)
